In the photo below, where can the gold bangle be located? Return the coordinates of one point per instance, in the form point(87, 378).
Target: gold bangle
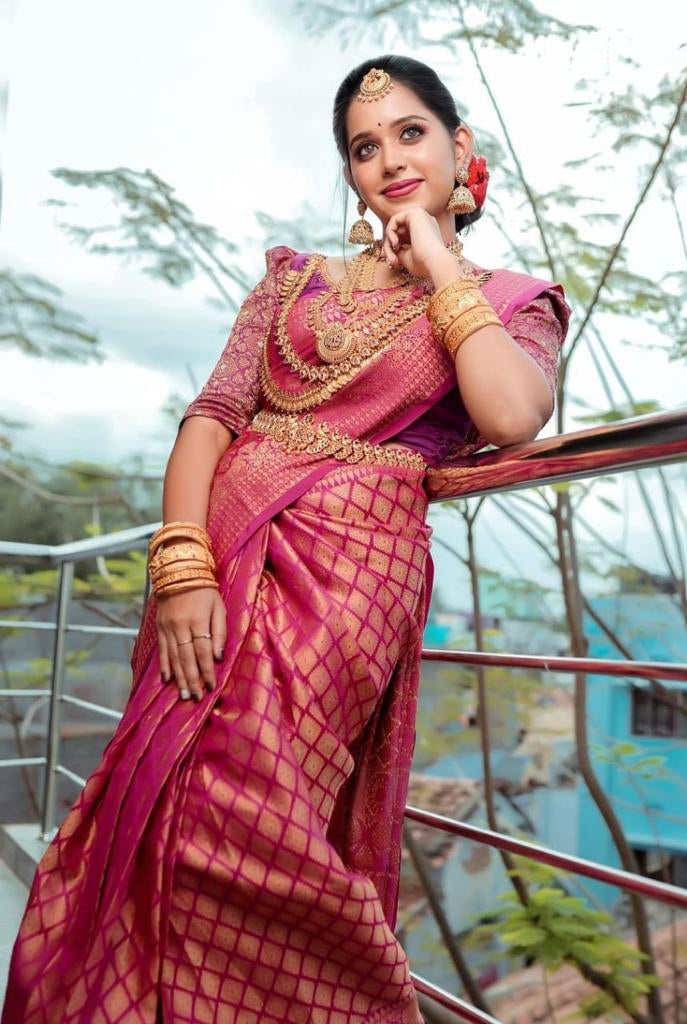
point(185, 565)
point(184, 574)
point(458, 285)
point(167, 554)
point(452, 301)
point(178, 588)
point(482, 309)
point(466, 325)
point(181, 576)
point(188, 531)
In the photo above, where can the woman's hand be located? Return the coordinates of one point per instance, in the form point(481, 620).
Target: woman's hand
point(191, 630)
point(412, 240)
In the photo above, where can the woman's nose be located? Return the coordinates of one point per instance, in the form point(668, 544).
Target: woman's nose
point(393, 160)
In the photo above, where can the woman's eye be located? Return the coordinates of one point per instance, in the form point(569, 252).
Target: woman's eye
point(362, 150)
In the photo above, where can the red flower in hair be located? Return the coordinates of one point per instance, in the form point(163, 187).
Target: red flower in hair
point(478, 178)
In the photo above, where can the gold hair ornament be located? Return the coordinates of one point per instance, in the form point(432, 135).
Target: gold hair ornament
point(375, 85)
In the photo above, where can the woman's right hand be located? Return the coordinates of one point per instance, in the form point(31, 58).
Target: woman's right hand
point(191, 631)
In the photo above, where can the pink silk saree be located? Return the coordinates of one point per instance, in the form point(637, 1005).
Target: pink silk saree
point(237, 860)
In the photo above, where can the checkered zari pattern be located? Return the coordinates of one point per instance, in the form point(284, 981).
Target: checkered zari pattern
point(196, 880)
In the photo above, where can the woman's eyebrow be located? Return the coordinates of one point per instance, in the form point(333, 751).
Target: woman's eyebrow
point(407, 117)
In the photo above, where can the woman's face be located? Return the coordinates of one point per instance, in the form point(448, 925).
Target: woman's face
point(398, 139)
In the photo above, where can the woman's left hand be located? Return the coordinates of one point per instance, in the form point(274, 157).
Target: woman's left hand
point(412, 240)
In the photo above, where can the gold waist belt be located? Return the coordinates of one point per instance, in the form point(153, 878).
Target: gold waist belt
point(299, 434)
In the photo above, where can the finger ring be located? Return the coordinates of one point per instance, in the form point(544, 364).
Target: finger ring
point(202, 636)
point(180, 643)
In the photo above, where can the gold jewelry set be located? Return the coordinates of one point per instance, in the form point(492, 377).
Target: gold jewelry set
point(180, 558)
point(345, 348)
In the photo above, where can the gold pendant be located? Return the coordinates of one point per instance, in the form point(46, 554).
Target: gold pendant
point(334, 343)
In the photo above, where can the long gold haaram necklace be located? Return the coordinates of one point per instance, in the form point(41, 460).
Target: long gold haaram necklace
point(344, 347)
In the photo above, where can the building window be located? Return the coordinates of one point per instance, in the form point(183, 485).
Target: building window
point(662, 865)
point(652, 716)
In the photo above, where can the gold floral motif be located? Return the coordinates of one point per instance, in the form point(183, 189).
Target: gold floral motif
point(304, 434)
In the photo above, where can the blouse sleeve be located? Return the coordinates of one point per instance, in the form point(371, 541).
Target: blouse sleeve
point(231, 392)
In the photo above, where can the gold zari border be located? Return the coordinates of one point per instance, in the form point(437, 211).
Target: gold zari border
point(303, 434)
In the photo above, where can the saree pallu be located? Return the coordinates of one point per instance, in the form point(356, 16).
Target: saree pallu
point(195, 866)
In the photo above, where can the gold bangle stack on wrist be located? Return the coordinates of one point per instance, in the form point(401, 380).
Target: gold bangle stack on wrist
point(458, 310)
point(180, 558)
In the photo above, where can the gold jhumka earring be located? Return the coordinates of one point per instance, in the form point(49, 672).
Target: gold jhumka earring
point(461, 199)
point(361, 232)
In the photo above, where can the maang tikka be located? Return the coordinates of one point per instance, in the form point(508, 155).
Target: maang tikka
point(461, 199)
point(361, 232)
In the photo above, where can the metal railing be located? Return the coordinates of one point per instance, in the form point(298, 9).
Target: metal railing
point(65, 557)
point(629, 444)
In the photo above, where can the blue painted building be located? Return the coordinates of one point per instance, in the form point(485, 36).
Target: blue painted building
point(649, 797)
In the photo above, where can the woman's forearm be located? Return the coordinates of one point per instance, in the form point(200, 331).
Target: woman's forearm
point(503, 389)
point(200, 444)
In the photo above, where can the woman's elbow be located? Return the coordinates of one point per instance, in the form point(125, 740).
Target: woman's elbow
point(513, 427)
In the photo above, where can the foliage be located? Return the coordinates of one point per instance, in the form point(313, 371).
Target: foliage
point(32, 320)
point(554, 928)
point(629, 758)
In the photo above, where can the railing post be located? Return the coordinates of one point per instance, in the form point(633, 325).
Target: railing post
point(56, 687)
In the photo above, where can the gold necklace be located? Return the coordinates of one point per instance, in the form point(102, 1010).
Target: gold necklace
point(334, 375)
point(336, 342)
point(372, 334)
point(455, 247)
point(329, 378)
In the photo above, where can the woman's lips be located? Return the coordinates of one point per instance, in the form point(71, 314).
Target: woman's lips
point(403, 190)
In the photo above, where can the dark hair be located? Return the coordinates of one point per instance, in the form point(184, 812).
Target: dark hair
point(426, 85)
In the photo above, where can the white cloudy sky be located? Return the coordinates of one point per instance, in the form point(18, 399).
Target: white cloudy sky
point(230, 102)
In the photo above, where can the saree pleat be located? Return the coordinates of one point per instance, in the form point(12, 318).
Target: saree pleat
point(195, 879)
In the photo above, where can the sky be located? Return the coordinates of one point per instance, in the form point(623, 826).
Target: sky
point(231, 104)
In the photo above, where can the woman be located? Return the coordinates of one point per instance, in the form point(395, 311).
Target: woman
point(235, 855)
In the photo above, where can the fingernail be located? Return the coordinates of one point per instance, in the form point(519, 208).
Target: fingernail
point(196, 697)
point(221, 653)
point(210, 686)
point(185, 694)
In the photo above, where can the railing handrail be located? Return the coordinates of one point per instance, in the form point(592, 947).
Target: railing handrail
point(675, 671)
point(634, 443)
point(570, 456)
point(89, 547)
